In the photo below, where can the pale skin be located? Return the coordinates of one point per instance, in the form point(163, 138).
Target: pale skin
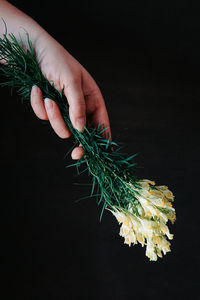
point(86, 103)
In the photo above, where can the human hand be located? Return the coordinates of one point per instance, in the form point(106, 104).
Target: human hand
point(84, 97)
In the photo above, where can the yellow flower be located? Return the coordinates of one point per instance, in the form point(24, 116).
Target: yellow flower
point(147, 227)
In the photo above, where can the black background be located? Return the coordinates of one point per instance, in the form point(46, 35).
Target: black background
point(144, 55)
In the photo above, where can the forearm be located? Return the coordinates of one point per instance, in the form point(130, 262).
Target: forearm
point(18, 22)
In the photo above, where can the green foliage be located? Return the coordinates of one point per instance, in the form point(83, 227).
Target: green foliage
point(110, 169)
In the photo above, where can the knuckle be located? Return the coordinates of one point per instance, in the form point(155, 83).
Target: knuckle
point(80, 112)
point(73, 81)
point(79, 107)
point(54, 117)
point(53, 114)
point(81, 103)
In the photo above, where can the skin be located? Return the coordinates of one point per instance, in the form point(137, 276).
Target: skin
point(86, 103)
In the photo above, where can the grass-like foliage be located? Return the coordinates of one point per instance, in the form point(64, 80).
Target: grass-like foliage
point(114, 183)
point(109, 168)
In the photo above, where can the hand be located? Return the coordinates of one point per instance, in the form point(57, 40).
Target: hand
point(83, 95)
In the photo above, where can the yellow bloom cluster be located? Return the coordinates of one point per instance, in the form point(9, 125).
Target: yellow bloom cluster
point(148, 226)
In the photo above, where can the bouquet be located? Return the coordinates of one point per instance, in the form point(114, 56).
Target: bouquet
point(141, 207)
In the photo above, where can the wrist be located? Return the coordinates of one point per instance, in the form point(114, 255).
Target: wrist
point(45, 45)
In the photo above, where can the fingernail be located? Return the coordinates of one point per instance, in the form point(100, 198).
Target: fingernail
point(48, 103)
point(75, 156)
point(35, 90)
point(80, 123)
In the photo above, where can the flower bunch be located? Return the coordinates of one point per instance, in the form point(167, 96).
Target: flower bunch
point(147, 227)
point(142, 208)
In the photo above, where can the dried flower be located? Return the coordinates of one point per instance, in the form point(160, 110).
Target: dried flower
point(148, 227)
point(141, 208)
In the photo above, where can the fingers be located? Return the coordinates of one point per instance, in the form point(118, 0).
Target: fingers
point(96, 104)
point(100, 116)
point(77, 152)
point(37, 103)
point(80, 93)
point(77, 109)
point(48, 111)
point(55, 119)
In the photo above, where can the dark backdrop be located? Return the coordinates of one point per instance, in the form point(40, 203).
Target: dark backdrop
point(145, 57)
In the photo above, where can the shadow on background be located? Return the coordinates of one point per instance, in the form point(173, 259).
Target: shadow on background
point(145, 58)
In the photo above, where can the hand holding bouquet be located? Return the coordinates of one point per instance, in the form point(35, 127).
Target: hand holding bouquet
point(142, 208)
